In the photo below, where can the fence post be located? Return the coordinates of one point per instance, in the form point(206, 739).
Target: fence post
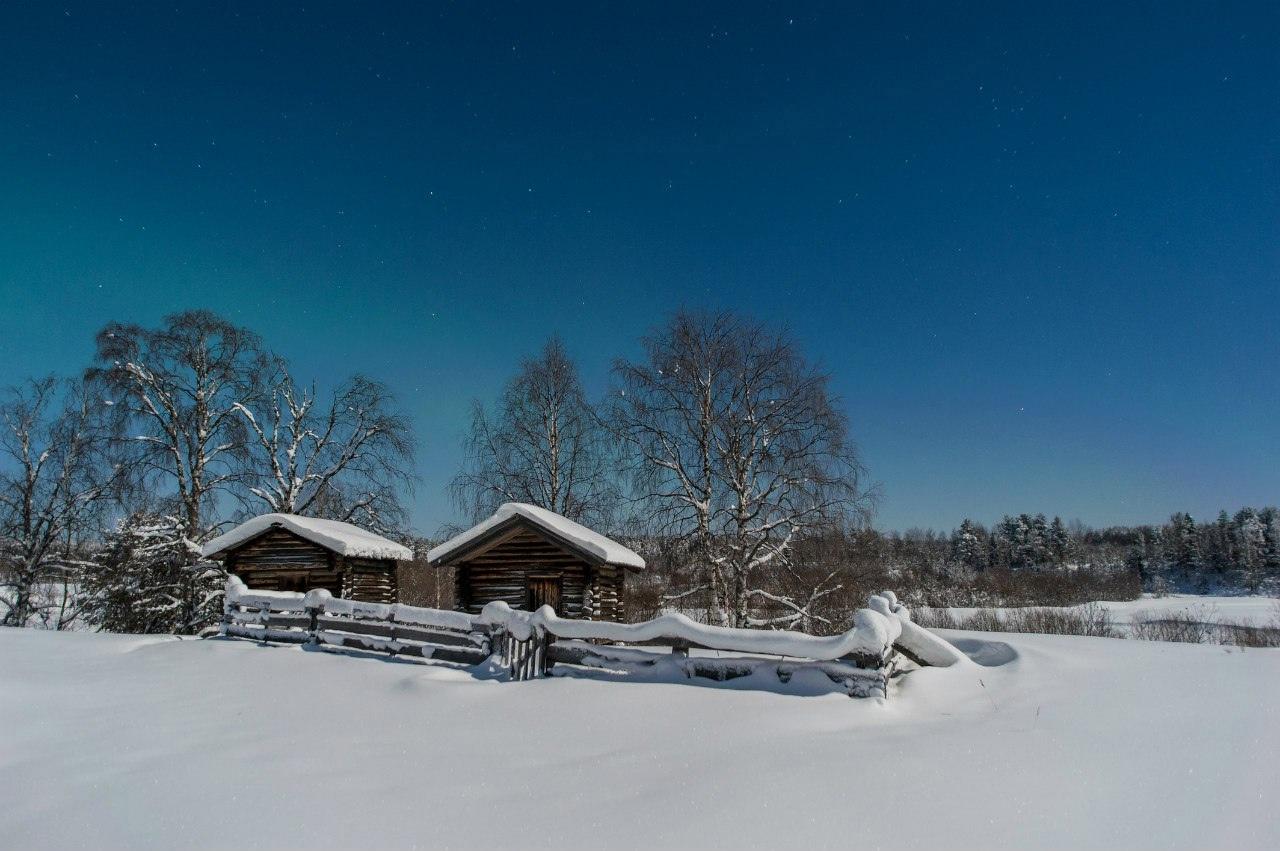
point(547, 662)
point(391, 621)
point(229, 591)
point(313, 602)
point(313, 625)
point(227, 617)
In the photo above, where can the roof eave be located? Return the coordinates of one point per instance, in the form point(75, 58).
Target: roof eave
point(505, 526)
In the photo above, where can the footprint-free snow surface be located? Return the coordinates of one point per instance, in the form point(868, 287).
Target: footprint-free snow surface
point(1047, 742)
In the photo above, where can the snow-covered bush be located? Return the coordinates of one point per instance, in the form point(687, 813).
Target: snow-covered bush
point(1090, 619)
point(149, 578)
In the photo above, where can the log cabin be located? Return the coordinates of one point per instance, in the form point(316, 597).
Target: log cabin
point(530, 557)
point(287, 552)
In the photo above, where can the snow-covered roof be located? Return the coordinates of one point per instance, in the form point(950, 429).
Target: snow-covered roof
point(342, 538)
point(592, 543)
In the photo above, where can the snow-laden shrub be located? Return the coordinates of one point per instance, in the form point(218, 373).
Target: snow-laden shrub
point(148, 578)
point(1203, 625)
point(1090, 619)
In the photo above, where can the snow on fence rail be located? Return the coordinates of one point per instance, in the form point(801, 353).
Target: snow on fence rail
point(319, 618)
point(528, 644)
point(861, 659)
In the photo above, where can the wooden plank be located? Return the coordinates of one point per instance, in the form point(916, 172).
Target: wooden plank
point(451, 639)
point(402, 631)
point(269, 635)
point(445, 654)
point(398, 647)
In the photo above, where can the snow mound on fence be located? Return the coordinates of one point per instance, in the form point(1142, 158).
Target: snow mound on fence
point(883, 625)
point(335, 535)
point(321, 599)
point(915, 641)
point(606, 549)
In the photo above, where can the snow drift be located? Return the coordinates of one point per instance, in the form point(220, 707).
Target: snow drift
point(156, 743)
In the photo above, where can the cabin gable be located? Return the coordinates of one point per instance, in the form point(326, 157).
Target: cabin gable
point(525, 566)
point(281, 560)
point(527, 557)
point(503, 567)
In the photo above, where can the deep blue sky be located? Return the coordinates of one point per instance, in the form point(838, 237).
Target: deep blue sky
point(1039, 250)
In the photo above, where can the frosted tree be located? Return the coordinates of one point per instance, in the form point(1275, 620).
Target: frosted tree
point(1038, 540)
point(54, 485)
point(736, 445)
point(1218, 549)
point(178, 392)
point(1059, 541)
point(665, 413)
point(1025, 541)
point(1135, 561)
point(1271, 534)
point(1251, 545)
point(347, 460)
point(1003, 542)
point(144, 579)
point(968, 547)
point(543, 444)
point(1184, 546)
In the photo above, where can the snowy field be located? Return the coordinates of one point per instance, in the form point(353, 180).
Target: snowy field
point(1053, 742)
point(1256, 611)
point(1241, 610)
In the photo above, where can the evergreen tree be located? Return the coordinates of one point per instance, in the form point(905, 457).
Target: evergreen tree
point(1059, 541)
point(1025, 544)
point(1136, 562)
point(1185, 547)
point(1218, 549)
point(994, 554)
point(148, 579)
point(1271, 538)
point(1038, 545)
point(967, 546)
point(1004, 542)
point(1251, 547)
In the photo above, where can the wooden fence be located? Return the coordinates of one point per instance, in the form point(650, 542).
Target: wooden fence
point(859, 661)
point(319, 619)
point(528, 644)
point(854, 677)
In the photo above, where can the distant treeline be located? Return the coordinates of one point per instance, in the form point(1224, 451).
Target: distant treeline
point(1234, 552)
point(1024, 560)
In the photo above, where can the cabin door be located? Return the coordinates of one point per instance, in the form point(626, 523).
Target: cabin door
point(544, 591)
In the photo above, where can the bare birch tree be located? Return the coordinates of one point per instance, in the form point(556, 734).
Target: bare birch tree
point(347, 461)
point(178, 392)
point(53, 444)
point(542, 445)
point(666, 413)
point(737, 445)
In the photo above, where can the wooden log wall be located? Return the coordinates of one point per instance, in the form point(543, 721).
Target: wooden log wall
point(274, 560)
point(369, 580)
point(502, 573)
point(605, 594)
point(279, 560)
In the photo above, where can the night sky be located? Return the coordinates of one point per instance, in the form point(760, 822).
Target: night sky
point(1039, 251)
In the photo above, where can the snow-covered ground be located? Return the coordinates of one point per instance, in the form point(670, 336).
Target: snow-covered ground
point(1242, 610)
point(1253, 611)
point(1053, 742)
